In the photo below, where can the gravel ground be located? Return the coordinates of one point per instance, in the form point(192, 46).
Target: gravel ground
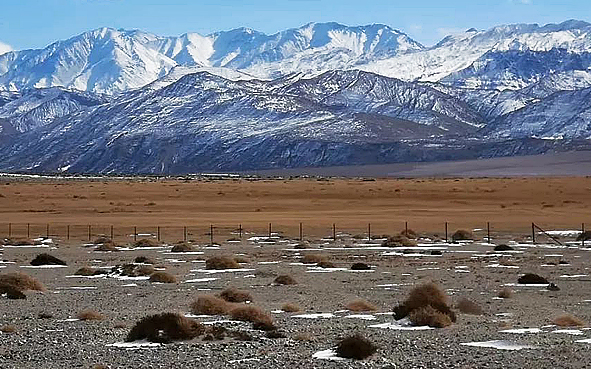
point(466, 270)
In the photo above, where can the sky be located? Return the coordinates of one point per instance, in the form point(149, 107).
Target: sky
point(26, 24)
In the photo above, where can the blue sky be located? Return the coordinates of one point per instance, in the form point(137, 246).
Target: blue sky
point(37, 23)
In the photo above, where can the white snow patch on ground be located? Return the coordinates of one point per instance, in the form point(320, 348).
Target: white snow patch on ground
point(200, 280)
point(134, 345)
point(522, 330)
point(327, 355)
point(574, 332)
point(360, 316)
point(401, 325)
point(315, 316)
point(588, 340)
point(499, 345)
point(567, 233)
point(215, 271)
point(43, 266)
point(573, 276)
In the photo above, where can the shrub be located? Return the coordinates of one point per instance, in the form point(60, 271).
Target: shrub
point(90, 315)
point(46, 259)
point(109, 246)
point(398, 241)
point(234, 295)
point(429, 316)
point(360, 266)
point(409, 233)
point(146, 242)
point(531, 278)
point(285, 279)
point(241, 259)
point(210, 305)
point(467, 306)
point(462, 234)
point(360, 305)
point(325, 264)
point(259, 318)
point(425, 295)
point(274, 334)
point(19, 242)
point(290, 308)
point(21, 281)
point(143, 260)
point(585, 236)
point(567, 320)
point(165, 328)
point(144, 270)
point(8, 329)
point(313, 259)
point(12, 292)
point(162, 277)
point(355, 347)
point(85, 271)
point(221, 262)
point(503, 247)
point(505, 293)
point(182, 247)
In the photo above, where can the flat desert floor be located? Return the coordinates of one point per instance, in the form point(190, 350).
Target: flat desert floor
point(42, 331)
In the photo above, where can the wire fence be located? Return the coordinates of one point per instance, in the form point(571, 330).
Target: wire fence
point(219, 233)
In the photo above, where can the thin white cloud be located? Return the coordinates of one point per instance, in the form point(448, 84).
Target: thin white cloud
point(446, 31)
point(524, 2)
point(4, 48)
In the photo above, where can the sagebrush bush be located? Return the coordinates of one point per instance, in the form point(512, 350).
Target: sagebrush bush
point(399, 241)
point(210, 305)
point(285, 279)
point(46, 259)
point(162, 277)
point(422, 296)
point(85, 271)
point(232, 294)
point(259, 318)
point(462, 235)
point(467, 306)
point(182, 247)
point(8, 329)
point(505, 293)
point(143, 260)
point(21, 282)
point(165, 328)
point(429, 316)
point(409, 233)
point(221, 262)
point(325, 264)
point(290, 308)
point(360, 305)
point(90, 315)
point(567, 320)
point(355, 347)
point(314, 259)
point(146, 242)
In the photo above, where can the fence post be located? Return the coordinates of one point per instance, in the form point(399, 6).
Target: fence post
point(533, 233)
point(47, 231)
point(89, 232)
point(185, 233)
point(134, 233)
point(583, 234)
point(211, 234)
point(369, 231)
point(112, 233)
point(488, 231)
point(68, 232)
point(406, 229)
point(301, 232)
point(28, 230)
point(9, 230)
point(334, 232)
point(269, 230)
point(446, 232)
point(240, 230)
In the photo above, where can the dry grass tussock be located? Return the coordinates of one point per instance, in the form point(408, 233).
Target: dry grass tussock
point(399, 241)
point(162, 277)
point(221, 262)
point(355, 347)
point(360, 305)
point(182, 247)
point(232, 294)
point(285, 279)
point(88, 271)
point(106, 247)
point(461, 235)
point(409, 233)
point(428, 316)
point(326, 264)
point(146, 242)
point(21, 281)
point(143, 260)
point(256, 316)
point(505, 293)
point(241, 259)
point(165, 328)
point(210, 305)
point(46, 259)
point(423, 296)
point(567, 320)
point(467, 306)
point(290, 308)
point(133, 270)
point(90, 315)
point(8, 329)
point(314, 259)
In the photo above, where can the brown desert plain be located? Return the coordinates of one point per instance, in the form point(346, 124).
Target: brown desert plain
point(372, 298)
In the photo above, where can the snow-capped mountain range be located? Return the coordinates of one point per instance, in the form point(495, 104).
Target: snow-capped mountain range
point(322, 94)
